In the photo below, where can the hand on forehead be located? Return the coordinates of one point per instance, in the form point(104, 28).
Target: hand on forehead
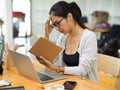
point(53, 18)
point(50, 17)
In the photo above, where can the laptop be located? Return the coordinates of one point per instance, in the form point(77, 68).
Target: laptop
point(13, 88)
point(25, 67)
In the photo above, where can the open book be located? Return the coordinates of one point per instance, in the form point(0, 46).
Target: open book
point(45, 48)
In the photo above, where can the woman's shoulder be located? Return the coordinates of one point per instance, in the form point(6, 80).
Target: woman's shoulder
point(88, 33)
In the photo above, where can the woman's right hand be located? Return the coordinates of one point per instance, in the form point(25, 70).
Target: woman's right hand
point(48, 28)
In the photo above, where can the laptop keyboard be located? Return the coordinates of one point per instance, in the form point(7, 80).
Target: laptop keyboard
point(49, 73)
point(44, 77)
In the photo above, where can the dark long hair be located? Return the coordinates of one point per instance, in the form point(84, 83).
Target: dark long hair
point(62, 9)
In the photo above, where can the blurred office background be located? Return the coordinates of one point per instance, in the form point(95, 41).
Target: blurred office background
point(22, 22)
point(30, 16)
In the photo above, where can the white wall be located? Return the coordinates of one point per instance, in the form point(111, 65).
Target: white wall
point(40, 10)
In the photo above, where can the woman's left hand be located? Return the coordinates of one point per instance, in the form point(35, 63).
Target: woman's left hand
point(48, 64)
point(43, 61)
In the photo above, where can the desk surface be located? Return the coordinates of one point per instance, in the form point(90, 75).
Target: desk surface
point(12, 76)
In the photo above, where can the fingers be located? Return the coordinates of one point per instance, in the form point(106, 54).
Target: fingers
point(47, 24)
point(42, 57)
point(7, 47)
point(48, 27)
point(41, 60)
point(15, 47)
point(37, 57)
point(48, 20)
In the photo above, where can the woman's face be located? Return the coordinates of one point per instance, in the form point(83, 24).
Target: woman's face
point(61, 24)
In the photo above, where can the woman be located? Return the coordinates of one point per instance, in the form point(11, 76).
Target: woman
point(78, 56)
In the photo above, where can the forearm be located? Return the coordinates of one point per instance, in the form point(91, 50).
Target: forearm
point(46, 36)
point(48, 28)
point(55, 68)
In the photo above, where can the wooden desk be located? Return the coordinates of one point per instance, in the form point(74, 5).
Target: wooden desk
point(91, 27)
point(12, 76)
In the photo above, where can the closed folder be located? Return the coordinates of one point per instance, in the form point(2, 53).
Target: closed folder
point(45, 48)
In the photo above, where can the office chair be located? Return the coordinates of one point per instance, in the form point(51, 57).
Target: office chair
point(111, 43)
point(113, 32)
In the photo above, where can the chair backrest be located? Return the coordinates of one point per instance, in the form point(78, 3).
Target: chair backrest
point(113, 32)
point(98, 16)
point(109, 64)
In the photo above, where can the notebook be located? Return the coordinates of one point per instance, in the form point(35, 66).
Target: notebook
point(45, 48)
point(25, 67)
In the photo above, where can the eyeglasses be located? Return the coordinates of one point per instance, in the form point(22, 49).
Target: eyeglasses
point(57, 24)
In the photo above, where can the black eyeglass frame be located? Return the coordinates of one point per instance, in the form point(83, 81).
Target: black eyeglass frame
point(57, 24)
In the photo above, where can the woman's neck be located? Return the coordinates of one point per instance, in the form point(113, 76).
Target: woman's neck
point(76, 31)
